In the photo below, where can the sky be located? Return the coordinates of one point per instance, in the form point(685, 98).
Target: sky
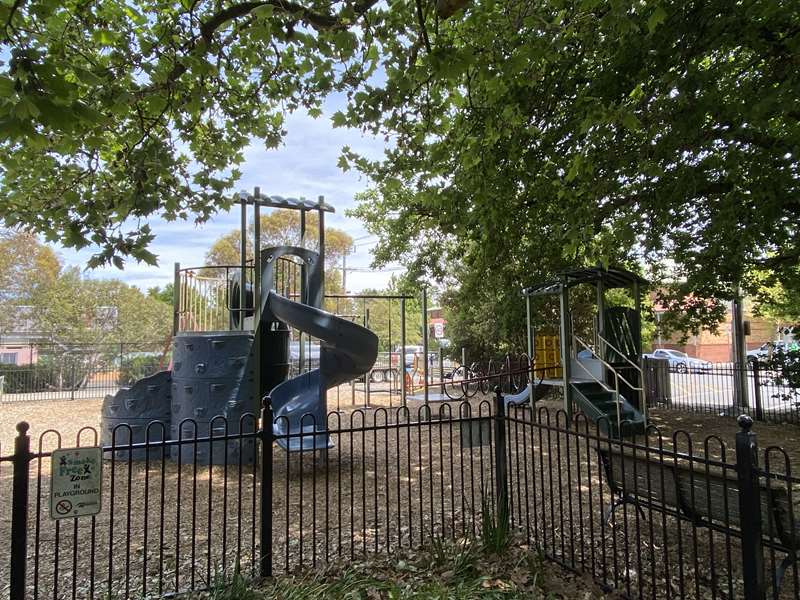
point(305, 165)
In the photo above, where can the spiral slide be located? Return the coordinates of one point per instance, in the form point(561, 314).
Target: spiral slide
point(347, 351)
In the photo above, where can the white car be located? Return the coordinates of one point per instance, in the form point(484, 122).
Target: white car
point(680, 361)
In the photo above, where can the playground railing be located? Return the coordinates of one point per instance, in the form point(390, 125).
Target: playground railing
point(617, 377)
point(633, 365)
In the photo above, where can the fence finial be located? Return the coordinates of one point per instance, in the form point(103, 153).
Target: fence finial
point(23, 427)
point(745, 422)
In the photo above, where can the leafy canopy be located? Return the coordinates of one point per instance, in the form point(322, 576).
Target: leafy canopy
point(38, 294)
point(113, 111)
point(526, 135)
point(538, 134)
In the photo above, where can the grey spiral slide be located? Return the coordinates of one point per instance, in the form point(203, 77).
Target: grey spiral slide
point(347, 351)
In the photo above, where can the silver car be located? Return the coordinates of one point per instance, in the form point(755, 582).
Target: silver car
point(680, 361)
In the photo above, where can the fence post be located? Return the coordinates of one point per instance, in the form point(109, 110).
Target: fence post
point(757, 391)
point(72, 380)
point(19, 512)
point(750, 509)
point(265, 532)
point(500, 465)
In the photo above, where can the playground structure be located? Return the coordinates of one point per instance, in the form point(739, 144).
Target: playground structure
point(603, 375)
point(241, 332)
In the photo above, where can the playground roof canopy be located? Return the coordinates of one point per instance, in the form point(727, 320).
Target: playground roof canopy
point(611, 278)
point(281, 202)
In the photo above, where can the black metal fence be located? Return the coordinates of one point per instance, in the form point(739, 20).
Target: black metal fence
point(657, 516)
point(712, 388)
point(78, 371)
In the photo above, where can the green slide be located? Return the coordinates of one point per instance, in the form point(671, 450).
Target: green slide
point(599, 404)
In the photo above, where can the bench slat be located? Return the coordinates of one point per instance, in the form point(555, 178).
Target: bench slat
point(710, 494)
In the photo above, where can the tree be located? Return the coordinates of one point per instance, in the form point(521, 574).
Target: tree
point(547, 132)
point(385, 317)
point(78, 310)
point(113, 111)
point(68, 307)
point(165, 294)
point(530, 136)
point(26, 266)
point(281, 227)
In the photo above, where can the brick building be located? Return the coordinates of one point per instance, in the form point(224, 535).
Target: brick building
point(717, 347)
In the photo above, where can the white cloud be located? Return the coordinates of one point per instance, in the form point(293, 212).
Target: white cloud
point(304, 166)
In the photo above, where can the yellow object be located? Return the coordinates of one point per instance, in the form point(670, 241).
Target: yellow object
point(547, 356)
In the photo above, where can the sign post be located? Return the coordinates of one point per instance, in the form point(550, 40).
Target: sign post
point(76, 477)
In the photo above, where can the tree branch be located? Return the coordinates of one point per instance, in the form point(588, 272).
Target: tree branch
point(319, 21)
point(423, 30)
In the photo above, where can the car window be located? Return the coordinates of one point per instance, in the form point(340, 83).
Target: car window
point(677, 354)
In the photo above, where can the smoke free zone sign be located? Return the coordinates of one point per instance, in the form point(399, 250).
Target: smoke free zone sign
point(76, 476)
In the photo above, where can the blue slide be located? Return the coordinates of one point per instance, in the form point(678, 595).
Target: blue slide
point(347, 351)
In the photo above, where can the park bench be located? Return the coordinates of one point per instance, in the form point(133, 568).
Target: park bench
point(706, 495)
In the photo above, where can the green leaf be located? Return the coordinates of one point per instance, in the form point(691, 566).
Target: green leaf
point(630, 121)
point(657, 17)
point(6, 87)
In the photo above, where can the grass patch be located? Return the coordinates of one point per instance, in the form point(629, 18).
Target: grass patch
point(463, 569)
point(446, 570)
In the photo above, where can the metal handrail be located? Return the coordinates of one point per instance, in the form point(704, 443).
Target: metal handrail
point(642, 402)
point(618, 351)
point(617, 401)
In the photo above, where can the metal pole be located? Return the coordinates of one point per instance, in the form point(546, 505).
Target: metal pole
point(565, 349)
point(19, 512)
point(401, 363)
point(441, 371)
point(176, 299)
point(750, 509)
point(425, 341)
point(344, 272)
point(637, 305)
point(243, 278)
point(368, 374)
point(531, 361)
point(739, 352)
point(301, 356)
point(257, 294)
point(265, 531)
point(601, 321)
point(321, 200)
point(501, 468)
point(757, 391)
point(637, 333)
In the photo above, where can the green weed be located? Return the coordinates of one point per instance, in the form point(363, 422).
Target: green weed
point(495, 528)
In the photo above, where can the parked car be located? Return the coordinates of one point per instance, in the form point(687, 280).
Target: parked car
point(765, 352)
point(680, 361)
point(310, 355)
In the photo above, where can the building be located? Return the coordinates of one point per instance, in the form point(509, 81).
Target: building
point(717, 347)
point(19, 337)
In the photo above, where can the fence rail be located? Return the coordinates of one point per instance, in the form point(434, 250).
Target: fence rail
point(712, 389)
point(654, 516)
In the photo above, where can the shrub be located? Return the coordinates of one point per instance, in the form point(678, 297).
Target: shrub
point(135, 367)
